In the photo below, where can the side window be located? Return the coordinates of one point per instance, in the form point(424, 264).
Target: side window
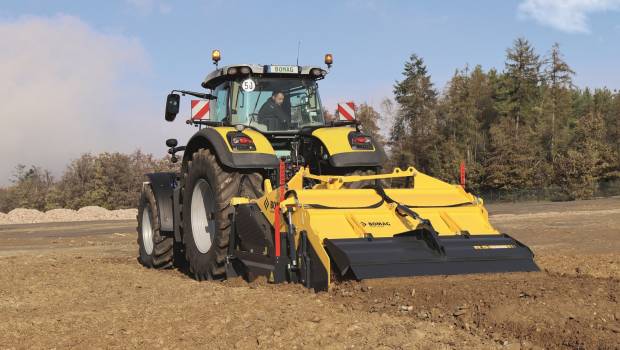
point(219, 106)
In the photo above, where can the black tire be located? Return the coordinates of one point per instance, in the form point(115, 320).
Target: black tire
point(155, 250)
point(216, 185)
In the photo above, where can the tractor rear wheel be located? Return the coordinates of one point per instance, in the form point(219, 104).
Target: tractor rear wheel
point(208, 188)
point(155, 250)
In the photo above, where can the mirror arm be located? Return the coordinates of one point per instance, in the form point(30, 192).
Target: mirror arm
point(173, 150)
point(195, 94)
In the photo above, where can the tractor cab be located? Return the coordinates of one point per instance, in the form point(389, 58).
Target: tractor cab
point(269, 98)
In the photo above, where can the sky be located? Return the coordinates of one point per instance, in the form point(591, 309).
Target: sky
point(84, 76)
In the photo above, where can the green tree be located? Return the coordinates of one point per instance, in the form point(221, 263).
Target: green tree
point(585, 162)
point(515, 158)
point(413, 135)
point(368, 118)
point(557, 101)
point(520, 85)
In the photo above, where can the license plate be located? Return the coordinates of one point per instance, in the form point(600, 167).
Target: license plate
point(284, 69)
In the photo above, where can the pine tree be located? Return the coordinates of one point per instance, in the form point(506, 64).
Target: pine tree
point(414, 131)
point(556, 100)
point(515, 159)
point(520, 84)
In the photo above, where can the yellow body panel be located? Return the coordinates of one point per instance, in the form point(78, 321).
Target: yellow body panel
point(336, 140)
point(260, 141)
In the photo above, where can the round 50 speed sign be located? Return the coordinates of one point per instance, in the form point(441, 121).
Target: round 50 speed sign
point(248, 85)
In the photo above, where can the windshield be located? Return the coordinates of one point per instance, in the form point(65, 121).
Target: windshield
point(275, 104)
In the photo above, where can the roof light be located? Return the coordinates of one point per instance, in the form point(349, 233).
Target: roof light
point(216, 56)
point(329, 60)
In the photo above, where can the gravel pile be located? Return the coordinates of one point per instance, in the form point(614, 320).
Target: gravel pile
point(90, 213)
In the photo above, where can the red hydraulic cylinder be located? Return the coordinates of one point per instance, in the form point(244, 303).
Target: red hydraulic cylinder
point(276, 219)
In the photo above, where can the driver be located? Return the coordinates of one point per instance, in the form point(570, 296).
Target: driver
point(272, 114)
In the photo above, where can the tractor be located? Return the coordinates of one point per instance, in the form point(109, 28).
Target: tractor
point(268, 187)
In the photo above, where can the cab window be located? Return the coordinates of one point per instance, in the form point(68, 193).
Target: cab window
point(219, 106)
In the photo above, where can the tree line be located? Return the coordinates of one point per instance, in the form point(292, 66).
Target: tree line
point(524, 127)
point(109, 180)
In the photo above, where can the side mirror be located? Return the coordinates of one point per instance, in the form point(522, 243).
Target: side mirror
point(172, 106)
point(171, 143)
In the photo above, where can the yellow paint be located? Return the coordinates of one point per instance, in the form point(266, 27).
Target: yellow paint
point(498, 246)
point(260, 141)
point(355, 213)
point(336, 140)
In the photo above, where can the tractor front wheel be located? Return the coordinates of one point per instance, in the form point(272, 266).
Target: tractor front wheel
point(208, 188)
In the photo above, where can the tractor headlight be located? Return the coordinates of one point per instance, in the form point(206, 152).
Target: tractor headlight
point(240, 142)
point(317, 73)
point(232, 70)
point(359, 141)
point(245, 70)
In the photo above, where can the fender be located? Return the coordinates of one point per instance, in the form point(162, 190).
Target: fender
point(163, 185)
point(215, 138)
point(336, 140)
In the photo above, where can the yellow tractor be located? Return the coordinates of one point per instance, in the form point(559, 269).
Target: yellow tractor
point(268, 188)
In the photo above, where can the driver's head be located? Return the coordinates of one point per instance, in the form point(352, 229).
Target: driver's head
point(278, 97)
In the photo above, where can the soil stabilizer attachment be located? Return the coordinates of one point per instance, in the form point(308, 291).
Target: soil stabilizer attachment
point(428, 228)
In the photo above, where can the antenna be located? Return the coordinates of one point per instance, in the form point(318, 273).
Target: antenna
point(298, 46)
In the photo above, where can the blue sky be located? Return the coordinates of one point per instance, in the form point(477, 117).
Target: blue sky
point(138, 50)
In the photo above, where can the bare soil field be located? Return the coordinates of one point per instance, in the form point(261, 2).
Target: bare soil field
point(78, 285)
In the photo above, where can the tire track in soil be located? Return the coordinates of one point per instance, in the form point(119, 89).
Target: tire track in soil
point(538, 309)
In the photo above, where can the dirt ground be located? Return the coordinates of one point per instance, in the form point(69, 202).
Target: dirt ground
point(78, 285)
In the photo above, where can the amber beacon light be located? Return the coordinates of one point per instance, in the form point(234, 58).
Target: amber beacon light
point(329, 60)
point(216, 56)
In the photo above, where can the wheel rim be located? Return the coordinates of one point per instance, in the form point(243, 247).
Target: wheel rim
point(147, 231)
point(203, 225)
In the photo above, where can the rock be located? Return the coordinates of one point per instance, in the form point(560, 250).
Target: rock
point(422, 314)
point(406, 308)
point(413, 292)
point(613, 328)
point(316, 319)
point(526, 345)
point(364, 288)
point(459, 312)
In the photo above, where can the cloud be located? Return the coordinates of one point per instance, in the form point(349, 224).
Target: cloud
point(68, 89)
point(569, 16)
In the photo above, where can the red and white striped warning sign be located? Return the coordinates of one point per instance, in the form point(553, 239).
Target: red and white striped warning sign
point(346, 111)
point(200, 109)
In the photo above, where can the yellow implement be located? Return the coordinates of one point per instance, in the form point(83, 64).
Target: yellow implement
point(430, 228)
